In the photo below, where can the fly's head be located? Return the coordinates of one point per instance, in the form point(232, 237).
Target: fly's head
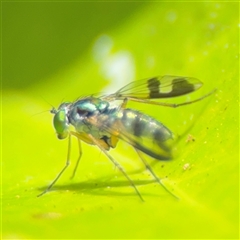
point(60, 120)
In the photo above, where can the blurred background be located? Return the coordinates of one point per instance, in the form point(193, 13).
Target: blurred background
point(59, 51)
point(44, 41)
point(42, 37)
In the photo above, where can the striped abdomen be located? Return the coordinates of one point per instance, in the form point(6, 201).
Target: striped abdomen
point(145, 133)
point(142, 125)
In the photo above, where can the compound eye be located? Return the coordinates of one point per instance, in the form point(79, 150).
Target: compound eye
point(60, 124)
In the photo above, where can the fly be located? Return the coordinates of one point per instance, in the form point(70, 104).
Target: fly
point(97, 122)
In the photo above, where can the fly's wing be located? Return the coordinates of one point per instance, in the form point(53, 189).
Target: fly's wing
point(139, 130)
point(157, 87)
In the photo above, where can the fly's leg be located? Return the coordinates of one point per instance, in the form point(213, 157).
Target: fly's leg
point(78, 160)
point(60, 174)
point(172, 105)
point(117, 165)
point(153, 174)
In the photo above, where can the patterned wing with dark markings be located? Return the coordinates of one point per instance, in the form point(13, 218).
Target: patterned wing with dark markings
point(157, 87)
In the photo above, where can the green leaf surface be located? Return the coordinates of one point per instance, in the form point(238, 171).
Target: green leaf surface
point(185, 39)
